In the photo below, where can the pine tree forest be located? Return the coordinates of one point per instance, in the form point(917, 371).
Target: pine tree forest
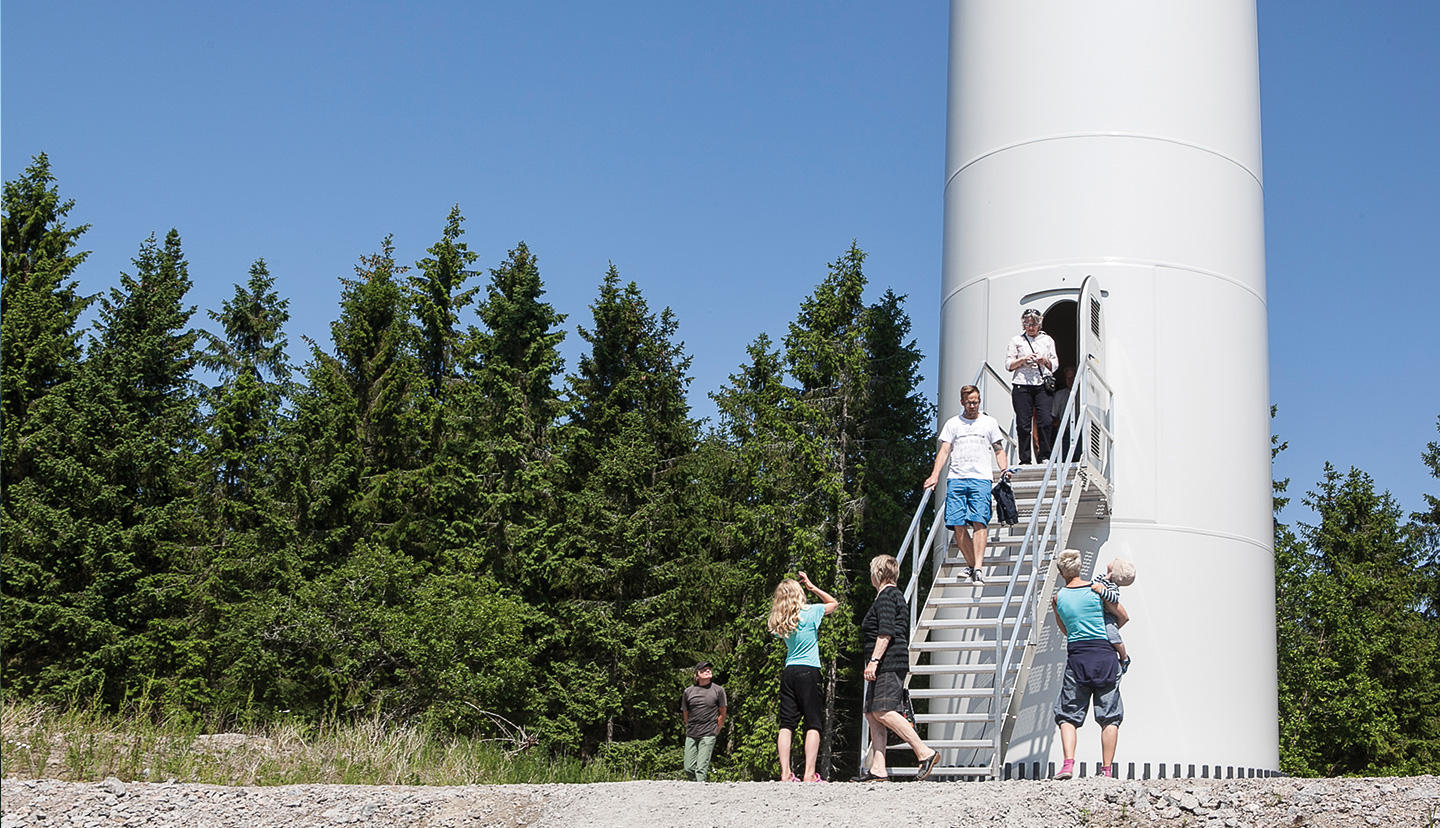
point(436, 521)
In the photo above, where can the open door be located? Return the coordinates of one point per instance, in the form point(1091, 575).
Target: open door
point(1092, 322)
point(1094, 395)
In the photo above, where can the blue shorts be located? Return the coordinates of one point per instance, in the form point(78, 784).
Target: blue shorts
point(967, 500)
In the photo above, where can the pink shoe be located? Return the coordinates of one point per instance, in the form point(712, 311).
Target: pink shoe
point(1067, 769)
point(1106, 772)
point(815, 777)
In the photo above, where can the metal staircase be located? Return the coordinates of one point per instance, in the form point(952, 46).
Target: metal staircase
point(973, 646)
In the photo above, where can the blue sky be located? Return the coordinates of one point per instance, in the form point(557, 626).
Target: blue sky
point(718, 154)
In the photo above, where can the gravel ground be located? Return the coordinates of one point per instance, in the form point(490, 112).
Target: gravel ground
point(1409, 801)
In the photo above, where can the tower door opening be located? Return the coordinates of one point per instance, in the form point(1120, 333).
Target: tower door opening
point(1062, 323)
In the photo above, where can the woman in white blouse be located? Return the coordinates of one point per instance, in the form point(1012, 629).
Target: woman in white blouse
point(1032, 359)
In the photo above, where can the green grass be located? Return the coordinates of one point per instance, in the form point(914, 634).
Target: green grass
point(82, 745)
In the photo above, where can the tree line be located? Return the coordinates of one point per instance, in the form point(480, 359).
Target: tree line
point(431, 520)
point(1358, 626)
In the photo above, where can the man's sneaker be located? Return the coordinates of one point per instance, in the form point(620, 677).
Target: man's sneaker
point(967, 574)
point(1067, 769)
point(976, 577)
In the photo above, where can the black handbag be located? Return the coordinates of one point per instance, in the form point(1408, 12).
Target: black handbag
point(907, 708)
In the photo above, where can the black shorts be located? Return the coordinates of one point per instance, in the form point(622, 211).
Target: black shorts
point(800, 697)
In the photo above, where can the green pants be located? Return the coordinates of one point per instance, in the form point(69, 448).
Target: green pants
point(697, 756)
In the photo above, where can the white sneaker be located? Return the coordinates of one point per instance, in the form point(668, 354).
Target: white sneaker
point(967, 574)
point(976, 577)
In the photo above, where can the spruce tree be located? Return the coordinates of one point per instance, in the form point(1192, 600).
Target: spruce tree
point(359, 428)
point(354, 447)
point(43, 476)
point(515, 410)
point(105, 584)
point(438, 293)
point(896, 435)
point(249, 542)
point(1357, 656)
point(620, 592)
point(446, 490)
point(39, 341)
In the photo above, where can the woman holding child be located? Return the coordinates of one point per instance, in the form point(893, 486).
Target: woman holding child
point(1092, 671)
point(798, 625)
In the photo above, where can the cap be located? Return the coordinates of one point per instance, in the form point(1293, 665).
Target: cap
point(701, 665)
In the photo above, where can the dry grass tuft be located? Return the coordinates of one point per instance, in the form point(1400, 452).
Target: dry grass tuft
point(80, 745)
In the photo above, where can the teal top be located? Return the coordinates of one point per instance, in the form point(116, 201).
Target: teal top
point(1083, 613)
point(803, 645)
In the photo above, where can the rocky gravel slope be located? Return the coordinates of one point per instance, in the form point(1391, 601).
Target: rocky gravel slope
point(1247, 803)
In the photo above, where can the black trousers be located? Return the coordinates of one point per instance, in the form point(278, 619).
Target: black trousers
point(1032, 401)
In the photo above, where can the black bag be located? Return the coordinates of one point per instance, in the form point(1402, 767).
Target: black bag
point(1005, 503)
point(907, 708)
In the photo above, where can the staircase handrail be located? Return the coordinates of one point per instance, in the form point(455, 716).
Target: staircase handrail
point(1059, 466)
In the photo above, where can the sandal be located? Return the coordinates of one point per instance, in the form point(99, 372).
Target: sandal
point(867, 776)
point(927, 765)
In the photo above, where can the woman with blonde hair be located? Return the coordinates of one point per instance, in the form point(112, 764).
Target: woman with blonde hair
point(798, 625)
point(887, 659)
point(1092, 671)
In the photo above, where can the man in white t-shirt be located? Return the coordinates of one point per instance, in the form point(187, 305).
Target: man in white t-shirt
point(967, 443)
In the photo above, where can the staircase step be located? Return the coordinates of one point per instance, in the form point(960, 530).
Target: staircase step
point(953, 718)
point(958, 669)
point(953, 568)
point(952, 743)
point(966, 623)
point(950, 646)
point(988, 601)
point(952, 693)
point(1001, 581)
point(944, 771)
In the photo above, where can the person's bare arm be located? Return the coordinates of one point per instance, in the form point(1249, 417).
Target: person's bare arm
point(882, 643)
point(941, 458)
point(1055, 611)
point(831, 604)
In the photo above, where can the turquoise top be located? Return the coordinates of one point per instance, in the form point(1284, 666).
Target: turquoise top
point(803, 645)
point(1083, 613)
